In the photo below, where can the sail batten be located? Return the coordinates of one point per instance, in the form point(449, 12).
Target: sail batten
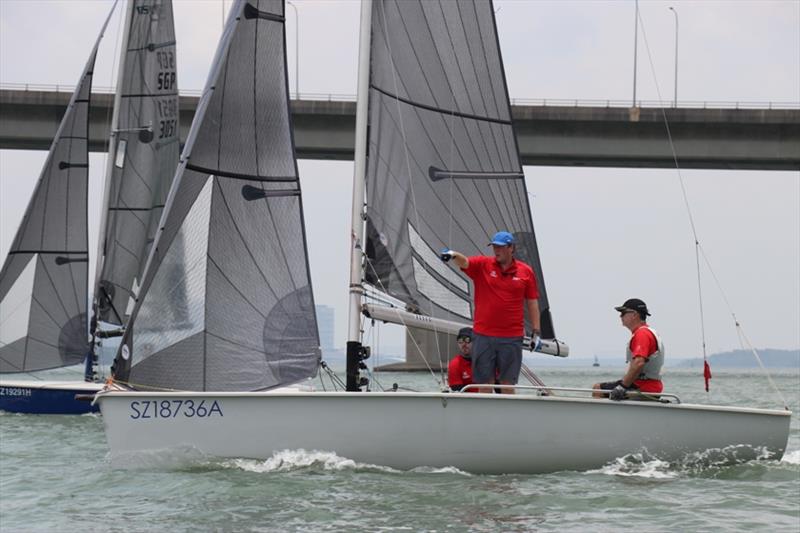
point(443, 168)
point(232, 237)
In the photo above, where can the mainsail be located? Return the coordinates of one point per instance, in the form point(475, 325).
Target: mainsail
point(443, 165)
point(232, 235)
point(43, 284)
point(143, 156)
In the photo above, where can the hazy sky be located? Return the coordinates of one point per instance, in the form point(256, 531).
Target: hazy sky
point(605, 234)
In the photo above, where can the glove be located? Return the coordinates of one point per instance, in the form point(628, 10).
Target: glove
point(618, 393)
point(446, 255)
point(536, 341)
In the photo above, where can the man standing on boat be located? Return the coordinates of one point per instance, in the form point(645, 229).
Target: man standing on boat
point(504, 286)
point(645, 355)
point(459, 371)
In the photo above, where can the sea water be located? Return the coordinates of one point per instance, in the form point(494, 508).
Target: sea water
point(56, 475)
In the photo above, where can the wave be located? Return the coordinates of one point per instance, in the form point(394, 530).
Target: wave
point(645, 465)
point(292, 460)
point(791, 458)
point(289, 460)
point(637, 465)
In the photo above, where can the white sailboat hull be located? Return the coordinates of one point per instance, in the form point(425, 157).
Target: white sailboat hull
point(476, 433)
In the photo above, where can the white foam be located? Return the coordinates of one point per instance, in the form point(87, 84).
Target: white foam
point(286, 460)
point(440, 470)
point(791, 458)
point(643, 464)
point(635, 465)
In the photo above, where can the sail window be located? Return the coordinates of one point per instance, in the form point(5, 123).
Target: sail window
point(15, 308)
point(122, 146)
point(432, 261)
point(162, 322)
point(438, 293)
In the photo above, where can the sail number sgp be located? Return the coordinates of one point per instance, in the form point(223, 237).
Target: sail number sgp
point(146, 409)
point(166, 74)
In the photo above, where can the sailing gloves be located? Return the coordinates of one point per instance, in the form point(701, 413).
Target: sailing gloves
point(446, 255)
point(536, 340)
point(618, 393)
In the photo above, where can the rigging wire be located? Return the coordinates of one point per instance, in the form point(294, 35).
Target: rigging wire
point(698, 248)
point(402, 322)
point(373, 339)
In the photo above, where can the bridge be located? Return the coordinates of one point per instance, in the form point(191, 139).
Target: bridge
point(557, 133)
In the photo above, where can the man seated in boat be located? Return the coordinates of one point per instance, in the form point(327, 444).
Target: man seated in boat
point(644, 355)
point(504, 286)
point(459, 371)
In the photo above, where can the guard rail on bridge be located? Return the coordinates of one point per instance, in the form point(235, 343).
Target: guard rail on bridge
point(608, 133)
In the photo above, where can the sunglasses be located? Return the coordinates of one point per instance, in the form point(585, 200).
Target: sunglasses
point(623, 313)
point(464, 339)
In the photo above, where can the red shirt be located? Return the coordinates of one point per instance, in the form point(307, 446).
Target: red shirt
point(500, 295)
point(459, 371)
point(643, 344)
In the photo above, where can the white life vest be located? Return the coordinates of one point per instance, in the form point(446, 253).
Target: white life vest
point(652, 366)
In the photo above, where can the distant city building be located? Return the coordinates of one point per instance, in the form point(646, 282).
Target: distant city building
point(325, 321)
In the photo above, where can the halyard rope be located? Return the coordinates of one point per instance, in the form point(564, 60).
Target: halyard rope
point(698, 248)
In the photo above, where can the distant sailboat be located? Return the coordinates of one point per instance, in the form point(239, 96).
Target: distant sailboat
point(596, 362)
point(43, 285)
point(143, 155)
point(436, 81)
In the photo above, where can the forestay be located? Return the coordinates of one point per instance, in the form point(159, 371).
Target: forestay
point(144, 154)
point(443, 165)
point(43, 284)
point(232, 236)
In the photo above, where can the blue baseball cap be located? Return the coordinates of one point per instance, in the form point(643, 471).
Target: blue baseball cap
point(502, 238)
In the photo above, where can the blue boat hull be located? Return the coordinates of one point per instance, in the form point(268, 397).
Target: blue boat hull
point(35, 398)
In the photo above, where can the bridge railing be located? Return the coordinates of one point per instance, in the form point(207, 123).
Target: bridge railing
point(555, 102)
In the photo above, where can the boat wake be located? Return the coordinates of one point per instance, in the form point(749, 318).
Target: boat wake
point(791, 458)
point(644, 465)
point(290, 460)
point(637, 465)
point(295, 460)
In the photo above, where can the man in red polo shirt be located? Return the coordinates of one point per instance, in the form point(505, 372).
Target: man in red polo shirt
point(645, 355)
point(504, 286)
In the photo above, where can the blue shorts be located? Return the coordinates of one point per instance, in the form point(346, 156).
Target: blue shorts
point(496, 358)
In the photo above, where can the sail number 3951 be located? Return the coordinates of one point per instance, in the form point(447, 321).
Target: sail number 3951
point(173, 409)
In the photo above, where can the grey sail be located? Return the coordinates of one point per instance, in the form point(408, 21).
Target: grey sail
point(232, 235)
point(43, 283)
point(145, 154)
point(443, 165)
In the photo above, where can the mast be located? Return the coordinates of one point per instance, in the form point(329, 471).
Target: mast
point(91, 363)
point(355, 352)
